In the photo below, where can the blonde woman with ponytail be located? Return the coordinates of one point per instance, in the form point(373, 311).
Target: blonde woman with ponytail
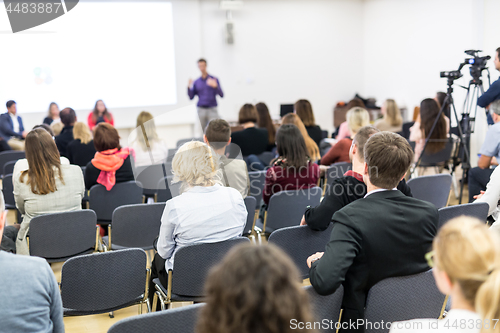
point(466, 260)
point(204, 212)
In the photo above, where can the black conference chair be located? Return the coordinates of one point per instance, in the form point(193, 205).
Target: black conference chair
point(9, 156)
point(336, 170)
point(478, 210)
point(183, 141)
point(434, 188)
point(166, 190)
point(403, 298)
point(257, 181)
point(179, 320)
point(326, 307)
point(192, 263)
point(286, 208)
point(299, 242)
point(250, 204)
point(134, 226)
point(104, 202)
point(60, 236)
point(8, 168)
point(149, 176)
point(104, 282)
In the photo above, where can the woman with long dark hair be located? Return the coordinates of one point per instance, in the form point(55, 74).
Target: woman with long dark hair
point(293, 170)
point(100, 114)
point(303, 109)
point(44, 185)
point(266, 122)
point(429, 110)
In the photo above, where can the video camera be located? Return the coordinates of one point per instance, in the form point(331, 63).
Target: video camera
point(478, 64)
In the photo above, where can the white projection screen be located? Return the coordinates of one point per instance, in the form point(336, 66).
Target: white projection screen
point(121, 52)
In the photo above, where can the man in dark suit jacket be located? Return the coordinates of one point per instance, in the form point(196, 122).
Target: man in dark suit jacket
point(68, 118)
point(11, 127)
point(385, 234)
point(343, 190)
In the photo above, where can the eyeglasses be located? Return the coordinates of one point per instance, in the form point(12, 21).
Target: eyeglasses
point(429, 256)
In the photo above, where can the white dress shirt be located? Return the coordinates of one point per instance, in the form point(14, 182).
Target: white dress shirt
point(200, 215)
point(378, 190)
point(15, 122)
point(492, 194)
point(457, 321)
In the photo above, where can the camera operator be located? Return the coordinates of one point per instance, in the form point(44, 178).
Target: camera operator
point(490, 153)
point(493, 93)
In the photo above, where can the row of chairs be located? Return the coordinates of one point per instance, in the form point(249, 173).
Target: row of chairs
point(390, 300)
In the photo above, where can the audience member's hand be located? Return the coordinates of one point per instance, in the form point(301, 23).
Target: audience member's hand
point(322, 170)
point(303, 221)
point(212, 82)
point(24, 134)
point(190, 83)
point(313, 258)
point(479, 196)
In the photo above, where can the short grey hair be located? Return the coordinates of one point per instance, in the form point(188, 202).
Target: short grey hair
point(495, 106)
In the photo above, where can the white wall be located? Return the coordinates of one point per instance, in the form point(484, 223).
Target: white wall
point(284, 51)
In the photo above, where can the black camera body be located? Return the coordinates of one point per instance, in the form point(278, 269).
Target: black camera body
point(478, 64)
point(451, 74)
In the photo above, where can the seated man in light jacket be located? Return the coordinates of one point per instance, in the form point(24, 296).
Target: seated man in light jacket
point(11, 127)
point(235, 171)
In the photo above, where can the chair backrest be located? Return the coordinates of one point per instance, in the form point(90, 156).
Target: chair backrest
point(137, 225)
point(8, 168)
point(478, 210)
point(104, 202)
point(266, 157)
point(179, 320)
point(326, 307)
point(10, 155)
point(337, 170)
point(250, 204)
point(257, 181)
point(403, 298)
point(406, 129)
point(183, 141)
point(149, 176)
point(438, 158)
point(193, 262)
point(8, 191)
point(171, 154)
point(286, 208)
point(103, 282)
point(434, 188)
point(62, 235)
point(299, 242)
point(167, 190)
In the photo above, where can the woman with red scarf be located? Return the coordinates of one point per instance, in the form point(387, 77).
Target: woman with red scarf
point(111, 163)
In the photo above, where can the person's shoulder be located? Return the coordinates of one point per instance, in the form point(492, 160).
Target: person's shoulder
point(22, 263)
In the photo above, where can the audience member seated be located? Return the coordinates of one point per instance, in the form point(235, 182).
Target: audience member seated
point(204, 212)
point(111, 164)
point(312, 147)
point(11, 128)
point(429, 110)
point(45, 185)
point(304, 110)
point(293, 170)
point(100, 114)
point(148, 147)
point(30, 300)
point(234, 171)
point(343, 129)
point(251, 140)
point(53, 114)
point(465, 258)
point(81, 150)
point(68, 118)
point(383, 235)
point(255, 289)
point(392, 120)
point(490, 154)
point(343, 190)
point(492, 197)
point(266, 122)
point(356, 118)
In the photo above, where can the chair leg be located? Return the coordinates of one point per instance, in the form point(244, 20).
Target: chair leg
point(111, 314)
point(148, 305)
point(155, 302)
